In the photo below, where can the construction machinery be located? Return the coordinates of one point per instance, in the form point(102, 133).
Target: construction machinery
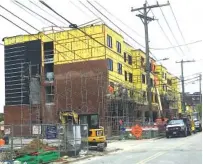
point(96, 137)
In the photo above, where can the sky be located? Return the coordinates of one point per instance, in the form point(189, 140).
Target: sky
point(187, 12)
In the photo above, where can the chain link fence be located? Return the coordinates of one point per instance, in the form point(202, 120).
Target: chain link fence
point(128, 130)
point(59, 140)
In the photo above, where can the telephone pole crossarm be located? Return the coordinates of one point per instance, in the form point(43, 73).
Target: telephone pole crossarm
point(149, 7)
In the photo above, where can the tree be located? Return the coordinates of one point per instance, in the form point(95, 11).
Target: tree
point(1, 117)
point(198, 108)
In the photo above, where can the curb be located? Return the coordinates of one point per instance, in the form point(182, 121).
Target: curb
point(89, 156)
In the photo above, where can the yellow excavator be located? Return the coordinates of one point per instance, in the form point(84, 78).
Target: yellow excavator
point(96, 136)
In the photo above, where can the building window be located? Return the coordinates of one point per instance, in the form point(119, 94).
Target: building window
point(118, 46)
point(109, 41)
point(126, 76)
point(125, 57)
point(163, 75)
point(142, 62)
point(143, 79)
point(169, 82)
point(49, 92)
point(129, 59)
point(120, 68)
point(130, 77)
point(151, 82)
point(110, 64)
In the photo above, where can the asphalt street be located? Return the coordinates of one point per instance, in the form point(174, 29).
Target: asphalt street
point(186, 150)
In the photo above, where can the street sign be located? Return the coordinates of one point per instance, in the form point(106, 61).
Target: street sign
point(51, 132)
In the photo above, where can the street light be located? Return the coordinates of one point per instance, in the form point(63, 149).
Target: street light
point(162, 59)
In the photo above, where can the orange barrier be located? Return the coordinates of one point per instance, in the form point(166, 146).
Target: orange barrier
point(136, 131)
point(2, 142)
point(111, 89)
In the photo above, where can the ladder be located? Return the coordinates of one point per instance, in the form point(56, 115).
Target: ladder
point(159, 101)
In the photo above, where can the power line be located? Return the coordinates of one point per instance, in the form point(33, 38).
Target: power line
point(91, 11)
point(178, 26)
point(171, 31)
point(15, 2)
point(118, 19)
point(90, 22)
point(198, 41)
point(15, 24)
point(75, 26)
point(35, 29)
point(166, 36)
point(33, 11)
point(115, 25)
point(47, 20)
point(76, 6)
point(53, 16)
point(58, 42)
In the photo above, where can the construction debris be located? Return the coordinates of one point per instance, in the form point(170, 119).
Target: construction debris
point(34, 146)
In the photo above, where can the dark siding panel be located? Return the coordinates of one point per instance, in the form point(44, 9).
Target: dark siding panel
point(17, 59)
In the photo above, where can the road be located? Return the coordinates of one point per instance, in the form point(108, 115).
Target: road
point(163, 151)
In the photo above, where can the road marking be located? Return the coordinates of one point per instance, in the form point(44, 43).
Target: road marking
point(161, 153)
point(149, 158)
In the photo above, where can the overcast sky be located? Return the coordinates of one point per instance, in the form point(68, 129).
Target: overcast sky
point(188, 13)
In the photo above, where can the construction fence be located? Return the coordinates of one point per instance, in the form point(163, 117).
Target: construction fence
point(134, 130)
point(59, 140)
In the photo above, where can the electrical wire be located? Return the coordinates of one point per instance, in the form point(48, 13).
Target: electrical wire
point(90, 22)
point(115, 25)
point(68, 49)
point(118, 19)
point(171, 30)
point(15, 24)
point(191, 82)
point(53, 16)
point(33, 11)
point(35, 29)
point(45, 4)
point(27, 11)
point(198, 41)
point(49, 22)
point(178, 25)
point(47, 37)
point(71, 34)
point(76, 6)
point(91, 11)
point(164, 33)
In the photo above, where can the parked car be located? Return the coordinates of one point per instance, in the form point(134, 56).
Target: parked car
point(176, 127)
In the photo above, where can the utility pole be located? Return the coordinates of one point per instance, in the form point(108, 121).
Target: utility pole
point(183, 82)
point(145, 20)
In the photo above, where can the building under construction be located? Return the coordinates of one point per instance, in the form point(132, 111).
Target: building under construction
point(87, 70)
